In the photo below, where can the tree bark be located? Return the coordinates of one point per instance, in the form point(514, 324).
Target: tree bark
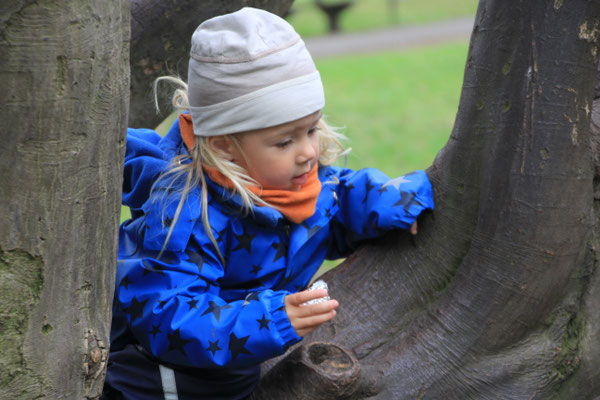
point(499, 297)
point(64, 93)
point(161, 33)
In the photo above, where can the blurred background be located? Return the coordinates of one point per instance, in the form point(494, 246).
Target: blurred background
point(392, 72)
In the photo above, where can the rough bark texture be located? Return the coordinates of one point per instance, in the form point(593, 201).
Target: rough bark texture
point(317, 371)
point(499, 297)
point(160, 43)
point(64, 95)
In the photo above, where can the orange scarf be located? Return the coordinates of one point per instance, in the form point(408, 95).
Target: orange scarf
point(296, 206)
point(187, 131)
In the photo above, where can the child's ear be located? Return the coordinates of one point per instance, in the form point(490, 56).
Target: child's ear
point(223, 146)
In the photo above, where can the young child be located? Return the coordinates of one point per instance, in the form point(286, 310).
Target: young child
point(233, 211)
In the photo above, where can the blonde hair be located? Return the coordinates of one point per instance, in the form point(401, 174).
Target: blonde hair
point(188, 168)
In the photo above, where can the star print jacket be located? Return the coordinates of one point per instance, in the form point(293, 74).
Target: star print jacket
point(187, 307)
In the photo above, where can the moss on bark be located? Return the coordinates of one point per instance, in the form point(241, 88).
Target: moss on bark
point(21, 282)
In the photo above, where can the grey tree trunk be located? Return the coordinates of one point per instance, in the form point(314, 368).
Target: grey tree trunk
point(64, 93)
point(499, 298)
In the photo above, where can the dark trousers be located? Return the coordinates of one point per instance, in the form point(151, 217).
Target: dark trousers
point(134, 375)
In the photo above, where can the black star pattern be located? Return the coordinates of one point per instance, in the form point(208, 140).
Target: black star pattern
point(213, 347)
point(125, 282)
point(148, 268)
point(244, 241)
point(155, 330)
point(215, 309)
point(349, 186)
point(136, 309)
point(406, 200)
point(311, 231)
point(281, 250)
point(255, 269)
point(369, 186)
point(328, 212)
point(336, 201)
point(195, 258)
point(264, 323)
point(162, 303)
point(176, 342)
point(382, 189)
point(206, 282)
point(167, 222)
point(192, 304)
point(236, 345)
point(250, 297)
point(221, 234)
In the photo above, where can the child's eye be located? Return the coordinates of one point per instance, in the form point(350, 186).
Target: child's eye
point(284, 144)
point(313, 130)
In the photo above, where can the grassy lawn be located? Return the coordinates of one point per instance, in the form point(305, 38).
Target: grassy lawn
point(397, 108)
point(309, 20)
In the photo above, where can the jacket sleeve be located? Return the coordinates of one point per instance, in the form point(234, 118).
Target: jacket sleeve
point(175, 308)
point(368, 203)
point(147, 155)
point(144, 161)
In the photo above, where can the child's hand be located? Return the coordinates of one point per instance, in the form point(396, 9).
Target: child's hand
point(307, 318)
point(413, 228)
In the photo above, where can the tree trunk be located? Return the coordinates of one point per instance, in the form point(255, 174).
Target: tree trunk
point(161, 33)
point(499, 297)
point(64, 95)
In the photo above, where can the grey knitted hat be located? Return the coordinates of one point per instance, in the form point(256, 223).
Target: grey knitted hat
point(250, 70)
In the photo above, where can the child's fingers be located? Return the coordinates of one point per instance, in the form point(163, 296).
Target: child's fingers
point(316, 309)
point(313, 322)
point(413, 228)
point(299, 298)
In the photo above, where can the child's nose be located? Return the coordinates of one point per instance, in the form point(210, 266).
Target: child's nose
point(307, 152)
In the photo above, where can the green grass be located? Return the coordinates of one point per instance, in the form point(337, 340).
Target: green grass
point(309, 20)
point(397, 108)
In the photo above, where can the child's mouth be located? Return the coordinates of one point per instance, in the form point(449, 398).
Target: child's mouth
point(300, 179)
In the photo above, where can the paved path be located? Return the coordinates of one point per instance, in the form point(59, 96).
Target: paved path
point(390, 39)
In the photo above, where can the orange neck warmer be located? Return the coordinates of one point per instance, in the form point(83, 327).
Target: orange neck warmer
point(296, 206)
point(187, 131)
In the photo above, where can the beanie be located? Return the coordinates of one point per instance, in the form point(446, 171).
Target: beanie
point(250, 70)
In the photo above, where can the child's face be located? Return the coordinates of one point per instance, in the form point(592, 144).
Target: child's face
point(280, 157)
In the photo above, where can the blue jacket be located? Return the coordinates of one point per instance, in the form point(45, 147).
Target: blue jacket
point(188, 308)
